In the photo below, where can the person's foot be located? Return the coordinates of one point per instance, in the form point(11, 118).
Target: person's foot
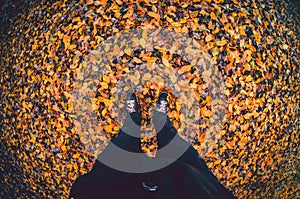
point(131, 103)
point(133, 119)
point(163, 127)
point(129, 135)
point(160, 116)
point(162, 104)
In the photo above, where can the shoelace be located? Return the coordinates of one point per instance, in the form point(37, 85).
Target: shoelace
point(130, 106)
point(162, 107)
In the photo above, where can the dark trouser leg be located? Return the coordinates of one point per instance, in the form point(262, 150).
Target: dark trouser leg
point(124, 150)
point(100, 180)
point(165, 133)
point(129, 135)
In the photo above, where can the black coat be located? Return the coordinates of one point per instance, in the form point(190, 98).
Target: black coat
point(188, 178)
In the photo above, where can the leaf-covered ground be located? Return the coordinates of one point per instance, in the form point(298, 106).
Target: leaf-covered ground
point(254, 45)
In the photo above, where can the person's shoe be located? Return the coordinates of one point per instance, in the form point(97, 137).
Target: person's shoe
point(129, 135)
point(162, 104)
point(131, 103)
point(161, 121)
point(160, 117)
point(133, 119)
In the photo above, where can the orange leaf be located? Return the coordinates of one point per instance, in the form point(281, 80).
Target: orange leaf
point(209, 37)
point(202, 137)
point(184, 69)
point(222, 42)
point(76, 155)
point(166, 62)
point(97, 3)
point(128, 13)
point(154, 15)
point(108, 128)
point(213, 16)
